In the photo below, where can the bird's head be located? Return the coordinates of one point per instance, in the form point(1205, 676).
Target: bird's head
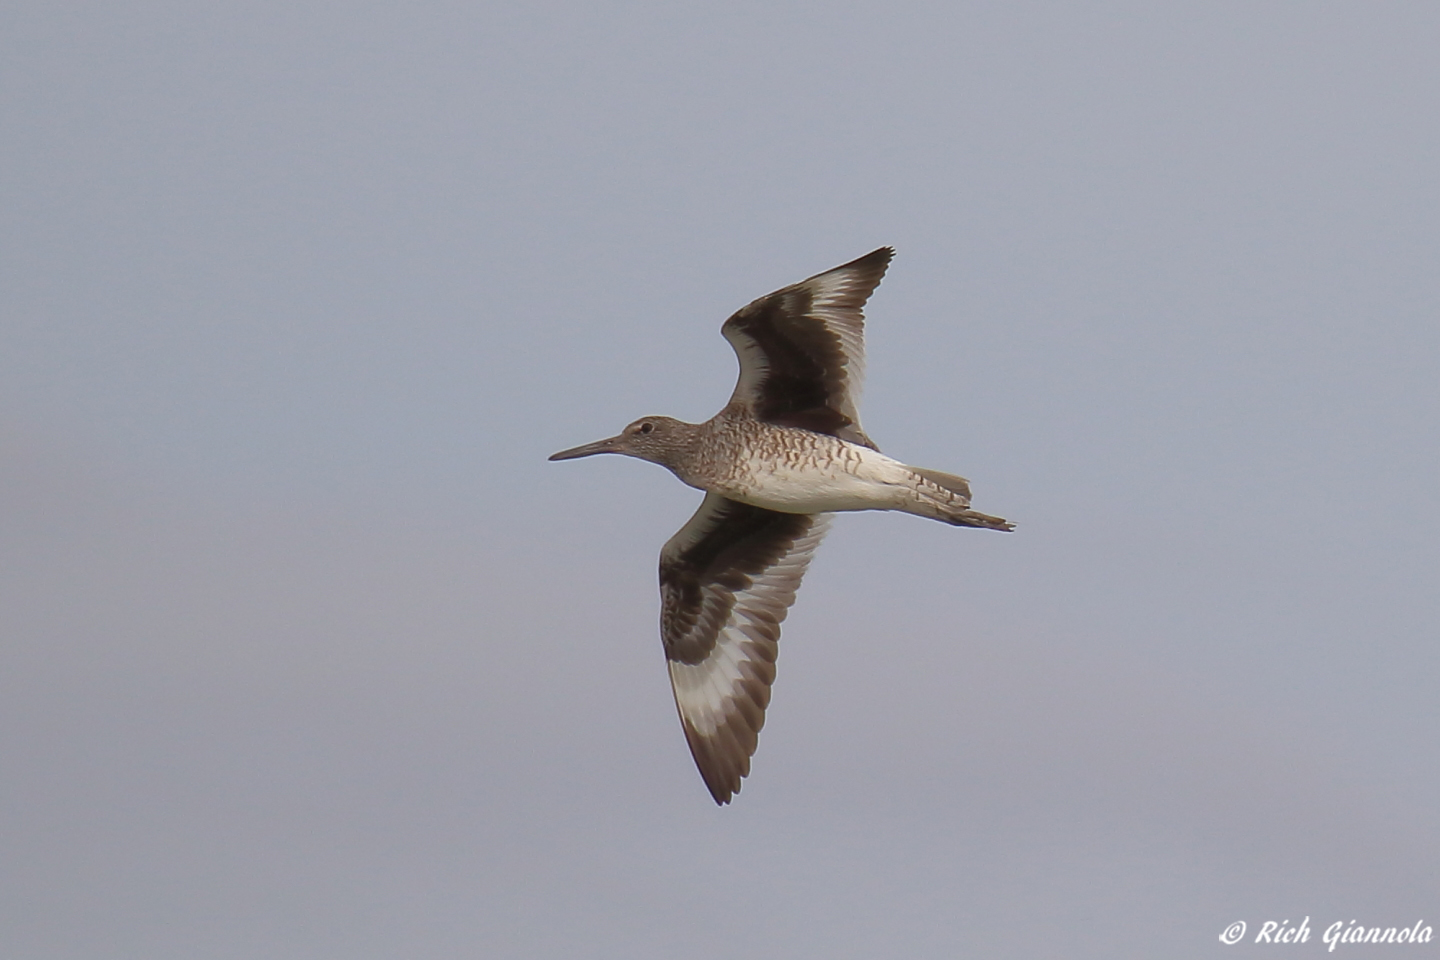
point(660, 440)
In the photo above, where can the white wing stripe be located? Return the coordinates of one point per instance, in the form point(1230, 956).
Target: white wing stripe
point(711, 694)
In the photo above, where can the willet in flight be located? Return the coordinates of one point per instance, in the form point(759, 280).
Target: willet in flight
point(785, 453)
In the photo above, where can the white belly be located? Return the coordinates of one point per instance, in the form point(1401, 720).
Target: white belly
point(857, 479)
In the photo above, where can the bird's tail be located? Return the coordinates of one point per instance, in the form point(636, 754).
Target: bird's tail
point(958, 487)
point(944, 496)
point(974, 518)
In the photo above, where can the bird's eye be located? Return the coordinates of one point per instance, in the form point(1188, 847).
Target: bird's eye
point(646, 427)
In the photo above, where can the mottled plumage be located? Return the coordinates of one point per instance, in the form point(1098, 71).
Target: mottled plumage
point(785, 452)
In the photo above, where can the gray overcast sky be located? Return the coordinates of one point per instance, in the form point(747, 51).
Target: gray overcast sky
point(305, 651)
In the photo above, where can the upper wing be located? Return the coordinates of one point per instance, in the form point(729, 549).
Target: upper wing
point(727, 579)
point(802, 349)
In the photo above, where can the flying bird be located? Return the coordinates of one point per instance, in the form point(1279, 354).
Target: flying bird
point(785, 453)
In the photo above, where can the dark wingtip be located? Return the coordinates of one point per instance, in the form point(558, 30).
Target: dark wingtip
point(869, 269)
point(879, 257)
point(721, 793)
